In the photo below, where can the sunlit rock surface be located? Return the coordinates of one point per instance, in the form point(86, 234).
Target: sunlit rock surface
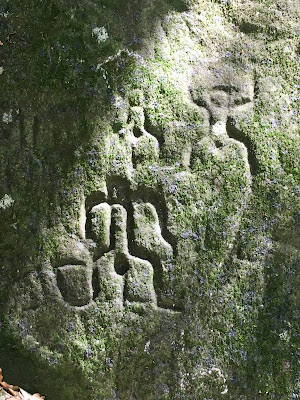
point(149, 199)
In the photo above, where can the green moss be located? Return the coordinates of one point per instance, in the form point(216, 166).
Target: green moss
point(82, 108)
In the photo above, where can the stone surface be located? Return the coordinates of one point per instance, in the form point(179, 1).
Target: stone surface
point(149, 199)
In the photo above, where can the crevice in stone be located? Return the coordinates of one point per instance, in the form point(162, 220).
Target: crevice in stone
point(226, 88)
point(155, 131)
point(35, 132)
point(238, 135)
point(95, 283)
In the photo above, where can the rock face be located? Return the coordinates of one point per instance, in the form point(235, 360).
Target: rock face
point(149, 199)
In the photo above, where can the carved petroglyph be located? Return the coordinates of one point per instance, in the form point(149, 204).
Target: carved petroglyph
point(124, 231)
point(120, 273)
point(224, 102)
point(130, 254)
point(145, 146)
point(150, 244)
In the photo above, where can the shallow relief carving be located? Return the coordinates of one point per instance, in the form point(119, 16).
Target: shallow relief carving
point(123, 251)
point(128, 249)
point(123, 228)
point(228, 97)
point(130, 255)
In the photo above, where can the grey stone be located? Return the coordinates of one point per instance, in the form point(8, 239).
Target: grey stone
point(149, 199)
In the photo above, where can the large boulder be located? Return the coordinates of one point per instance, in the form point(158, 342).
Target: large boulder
point(149, 198)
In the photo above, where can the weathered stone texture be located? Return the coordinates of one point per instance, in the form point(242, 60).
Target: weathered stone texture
point(149, 198)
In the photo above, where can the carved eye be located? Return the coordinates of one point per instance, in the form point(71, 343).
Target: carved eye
point(219, 98)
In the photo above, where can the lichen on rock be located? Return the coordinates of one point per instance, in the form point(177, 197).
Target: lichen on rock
point(150, 199)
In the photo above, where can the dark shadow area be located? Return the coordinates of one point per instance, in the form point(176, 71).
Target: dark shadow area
point(154, 130)
point(25, 369)
point(122, 264)
point(119, 190)
point(95, 283)
point(238, 135)
point(248, 27)
point(278, 324)
point(137, 132)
